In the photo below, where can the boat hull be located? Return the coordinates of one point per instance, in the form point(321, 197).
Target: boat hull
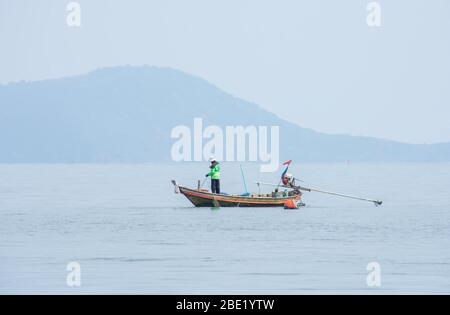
point(201, 198)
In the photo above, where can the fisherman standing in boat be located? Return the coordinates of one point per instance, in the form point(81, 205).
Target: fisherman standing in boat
point(215, 176)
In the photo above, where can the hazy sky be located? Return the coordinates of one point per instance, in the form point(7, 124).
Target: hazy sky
point(316, 63)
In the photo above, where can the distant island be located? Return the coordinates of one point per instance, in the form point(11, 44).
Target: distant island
point(125, 115)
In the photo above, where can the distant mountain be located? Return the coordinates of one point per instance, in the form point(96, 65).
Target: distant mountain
point(125, 114)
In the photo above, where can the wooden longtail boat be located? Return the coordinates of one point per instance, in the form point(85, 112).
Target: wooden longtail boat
point(204, 198)
point(291, 198)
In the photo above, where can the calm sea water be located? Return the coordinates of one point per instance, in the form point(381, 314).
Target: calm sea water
point(131, 234)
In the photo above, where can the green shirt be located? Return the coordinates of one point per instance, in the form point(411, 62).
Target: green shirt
point(215, 172)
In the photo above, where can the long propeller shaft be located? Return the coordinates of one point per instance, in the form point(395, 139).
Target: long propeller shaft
point(376, 202)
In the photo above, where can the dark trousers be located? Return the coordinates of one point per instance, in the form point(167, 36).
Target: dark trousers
point(215, 186)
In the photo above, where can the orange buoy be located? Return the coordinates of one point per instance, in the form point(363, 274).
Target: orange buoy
point(291, 204)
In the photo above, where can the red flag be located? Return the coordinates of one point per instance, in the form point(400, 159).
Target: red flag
point(287, 162)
